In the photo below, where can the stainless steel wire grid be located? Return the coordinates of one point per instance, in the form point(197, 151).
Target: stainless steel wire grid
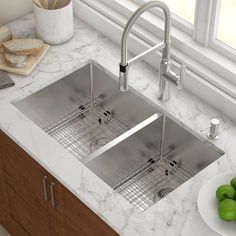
point(86, 129)
point(151, 182)
point(90, 127)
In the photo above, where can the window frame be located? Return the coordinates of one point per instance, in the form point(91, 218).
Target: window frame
point(215, 43)
point(208, 11)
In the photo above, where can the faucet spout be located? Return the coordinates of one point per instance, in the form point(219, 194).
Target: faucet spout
point(165, 61)
point(134, 18)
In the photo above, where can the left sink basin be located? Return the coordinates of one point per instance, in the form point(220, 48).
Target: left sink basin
point(85, 110)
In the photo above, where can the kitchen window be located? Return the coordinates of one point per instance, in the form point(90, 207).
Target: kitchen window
point(196, 39)
point(182, 8)
point(209, 23)
point(227, 19)
point(206, 21)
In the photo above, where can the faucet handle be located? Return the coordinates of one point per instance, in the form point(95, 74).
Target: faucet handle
point(181, 76)
point(182, 72)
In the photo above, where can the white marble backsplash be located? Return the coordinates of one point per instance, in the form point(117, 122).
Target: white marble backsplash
point(174, 215)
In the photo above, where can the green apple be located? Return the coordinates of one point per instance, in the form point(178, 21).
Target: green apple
point(227, 210)
point(225, 192)
point(233, 182)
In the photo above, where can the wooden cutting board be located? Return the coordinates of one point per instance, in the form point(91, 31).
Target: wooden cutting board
point(32, 63)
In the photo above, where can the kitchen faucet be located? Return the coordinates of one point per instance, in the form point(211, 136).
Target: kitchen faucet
point(166, 75)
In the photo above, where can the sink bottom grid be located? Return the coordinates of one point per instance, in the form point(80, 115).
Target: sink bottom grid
point(86, 129)
point(153, 181)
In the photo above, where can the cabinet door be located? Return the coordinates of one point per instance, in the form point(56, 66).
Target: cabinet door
point(79, 220)
point(30, 219)
point(5, 219)
point(32, 184)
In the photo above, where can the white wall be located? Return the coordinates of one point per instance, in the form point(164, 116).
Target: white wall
point(12, 9)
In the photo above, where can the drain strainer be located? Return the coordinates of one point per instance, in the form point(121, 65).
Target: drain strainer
point(164, 192)
point(100, 142)
point(161, 193)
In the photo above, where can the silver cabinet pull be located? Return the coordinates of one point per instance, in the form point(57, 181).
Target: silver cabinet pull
point(52, 195)
point(45, 188)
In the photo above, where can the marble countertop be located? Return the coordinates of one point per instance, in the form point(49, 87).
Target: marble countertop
point(177, 213)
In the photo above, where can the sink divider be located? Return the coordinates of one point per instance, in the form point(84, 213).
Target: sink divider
point(120, 138)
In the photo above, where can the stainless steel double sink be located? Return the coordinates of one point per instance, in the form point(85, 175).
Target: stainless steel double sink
point(121, 137)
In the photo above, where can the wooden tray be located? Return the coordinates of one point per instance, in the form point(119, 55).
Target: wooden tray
point(32, 63)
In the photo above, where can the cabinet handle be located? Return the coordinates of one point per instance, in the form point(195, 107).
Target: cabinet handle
point(52, 195)
point(45, 188)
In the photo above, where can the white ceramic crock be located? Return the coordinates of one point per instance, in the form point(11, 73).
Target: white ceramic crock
point(54, 26)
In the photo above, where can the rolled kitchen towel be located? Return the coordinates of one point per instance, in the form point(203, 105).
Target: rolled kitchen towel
point(5, 80)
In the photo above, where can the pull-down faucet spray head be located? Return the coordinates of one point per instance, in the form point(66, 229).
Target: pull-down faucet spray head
point(123, 78)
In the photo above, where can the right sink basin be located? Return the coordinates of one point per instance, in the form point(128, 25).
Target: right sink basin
point(153, 161)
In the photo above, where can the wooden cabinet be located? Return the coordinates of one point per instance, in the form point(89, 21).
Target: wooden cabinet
point(5, 219)
point(77, 215)
point(29, 191)
point(39, 205)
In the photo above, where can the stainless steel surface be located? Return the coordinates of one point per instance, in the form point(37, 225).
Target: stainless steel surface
point(86, 129)
point(45, 188)
point(166, 75)
point(163, 136)
point(152, 182)
point(52, 195)
point(136, 169)
point(85, 110)
point(119, 136)
point(214, 129)
point(163, 192)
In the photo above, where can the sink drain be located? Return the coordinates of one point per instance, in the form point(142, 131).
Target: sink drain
point(164, 192)
point(100, 142)
point(161, 193)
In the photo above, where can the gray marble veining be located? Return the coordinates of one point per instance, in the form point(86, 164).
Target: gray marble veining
point(174, 215)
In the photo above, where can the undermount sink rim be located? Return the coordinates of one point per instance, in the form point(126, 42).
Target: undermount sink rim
point(154, 116)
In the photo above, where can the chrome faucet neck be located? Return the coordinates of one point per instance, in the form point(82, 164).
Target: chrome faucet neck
point(133, 19)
